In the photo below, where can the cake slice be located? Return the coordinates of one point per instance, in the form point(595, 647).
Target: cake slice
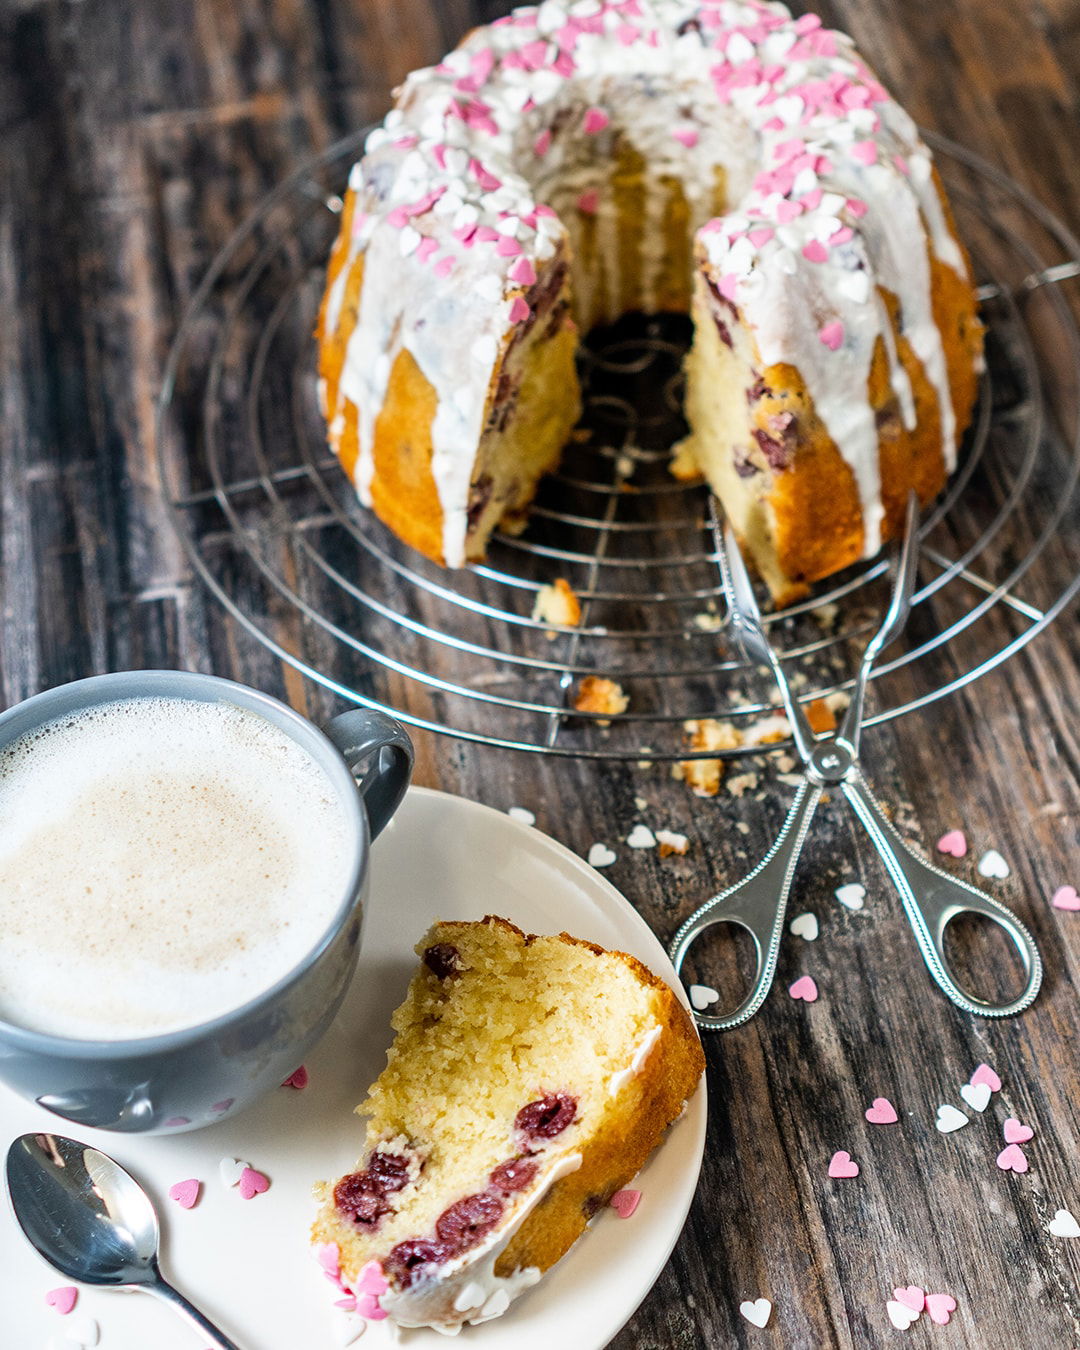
point(529, 1080)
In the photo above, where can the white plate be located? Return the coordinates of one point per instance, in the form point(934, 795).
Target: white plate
point(247, 1263)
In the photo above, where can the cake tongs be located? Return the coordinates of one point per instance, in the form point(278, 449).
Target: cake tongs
point(931, 898)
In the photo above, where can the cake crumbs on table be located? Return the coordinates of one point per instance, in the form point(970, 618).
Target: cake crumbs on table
point(557, 603)
point(598, 694)
point(671, 841)
point(705, 775)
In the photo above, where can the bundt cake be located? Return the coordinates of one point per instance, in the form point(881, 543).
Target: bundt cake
point(578, 160)
point(529, 1080)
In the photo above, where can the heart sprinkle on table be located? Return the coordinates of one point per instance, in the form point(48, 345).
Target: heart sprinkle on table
point(702, 997)
point(841, 1165)
point(940, 1307)
point(977, 1095)
point(881, 1112)
point(911, 1297)
point(231, 1170)
point(992, 864)
point(350, 1329)
point(804, 988)
point(63, 1299)
point(253, 1183)
point(298, 1079)
point(186, 1193)
point(900, 1315)
point(1012, 1158)
point(85, 1333)
point(520, 814)
point(625, 1202)
point(1015, 1133)
point(641, 837)
point(953, 843)
point(1063, 1225)
point(949, 1119)
point(985, 1074)
point(852, 895)
point(805, 926)
point(757, 1313)
point(1067, 898)
point(601, 856)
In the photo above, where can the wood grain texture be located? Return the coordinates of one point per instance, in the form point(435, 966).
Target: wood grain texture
point(133, 139)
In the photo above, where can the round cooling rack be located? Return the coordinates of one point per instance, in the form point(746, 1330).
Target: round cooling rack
point(274, 530)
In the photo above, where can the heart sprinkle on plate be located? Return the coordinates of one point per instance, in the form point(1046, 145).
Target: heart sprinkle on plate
point(186, 1193)
point(805, 926)
point(805, 989)
point(231, 1170)
point(949, 1119)
point(298, 1079)
point(253, 1183)
point(881, 1112)
point(757, 1313)
point(63, 1299)
point(625, 1202)
point(842, 1165)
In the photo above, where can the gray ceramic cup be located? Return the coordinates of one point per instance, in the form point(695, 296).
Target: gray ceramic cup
point(186, 1079)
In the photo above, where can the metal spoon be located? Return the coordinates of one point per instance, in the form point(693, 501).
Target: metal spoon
point(92, 1220)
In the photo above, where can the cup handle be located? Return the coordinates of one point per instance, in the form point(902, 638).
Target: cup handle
point(379, 754)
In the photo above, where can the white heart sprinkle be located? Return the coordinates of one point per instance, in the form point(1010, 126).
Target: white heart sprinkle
point(85, 1332)
point(977, 1095)
point(641, 837)
point(805, 926)
point(701, 997)
point(519, 813)
point(900, 1315)
point(949, 1119)
point(852, 895)
point(1064, 1225)
point(231, 1169)
point(601, 856)
point(349, 1329)
point(756, 1313)
point(992, 864)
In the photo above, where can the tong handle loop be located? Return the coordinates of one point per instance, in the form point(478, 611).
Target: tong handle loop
point(932, 899)
point(758, 904)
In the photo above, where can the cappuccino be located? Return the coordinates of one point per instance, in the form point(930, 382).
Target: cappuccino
point(162, 862)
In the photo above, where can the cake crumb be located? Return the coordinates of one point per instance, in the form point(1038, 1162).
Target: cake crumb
point(820, 716)
point(670, 841)
point(597, 694)
point(704, 775)
point(742, 827)
point(557, 604)
point(683, 464)
point(707, 622)
point(826, 614)
point(742, 782)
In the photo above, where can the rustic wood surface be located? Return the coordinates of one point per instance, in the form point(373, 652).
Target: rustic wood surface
point(133, 138)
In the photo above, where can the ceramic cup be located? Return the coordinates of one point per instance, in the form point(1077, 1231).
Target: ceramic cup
point(189, 1078)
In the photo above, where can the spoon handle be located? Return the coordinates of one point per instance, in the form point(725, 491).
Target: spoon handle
point(165, 1291)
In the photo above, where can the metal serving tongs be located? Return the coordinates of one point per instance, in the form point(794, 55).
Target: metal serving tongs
point(757, 903)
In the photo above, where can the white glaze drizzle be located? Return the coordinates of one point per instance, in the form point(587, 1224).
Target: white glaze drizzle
point(461, 150)
point(470, 1279)
point(619, 1080)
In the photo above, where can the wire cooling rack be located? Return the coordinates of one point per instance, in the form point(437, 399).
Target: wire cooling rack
point(273, 529)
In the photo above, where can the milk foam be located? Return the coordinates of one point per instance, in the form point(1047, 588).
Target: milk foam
point(162, 861)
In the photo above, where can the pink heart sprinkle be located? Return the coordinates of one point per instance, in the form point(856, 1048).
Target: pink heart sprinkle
point(328, 1255)
point(804, 988)
point(815, 251)
point(688, 136)
point(588, 202)
point(882, 1113)
point(348, 1303)
point(523, 272)
point(62, 1299)
point(519, 310)
point(367, 1305)
point(953, 843)
point(371, 1280)
point(912, 1297)
point(253, 1183)
point(625, 1202)
point(1012, 1159)
point(985, 1074)
point(841, 1165)
point(298, 1079)
point(596, 119)
point(185, 1193)
point(864, 152)
point(832, 335)
point(175, 1121)
point(542, 144)
point(1066, 897)
point(1015, 1133)
point(940, 1308)
point(223, 1105)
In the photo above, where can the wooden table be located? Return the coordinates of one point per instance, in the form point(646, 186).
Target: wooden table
point(135, 137)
